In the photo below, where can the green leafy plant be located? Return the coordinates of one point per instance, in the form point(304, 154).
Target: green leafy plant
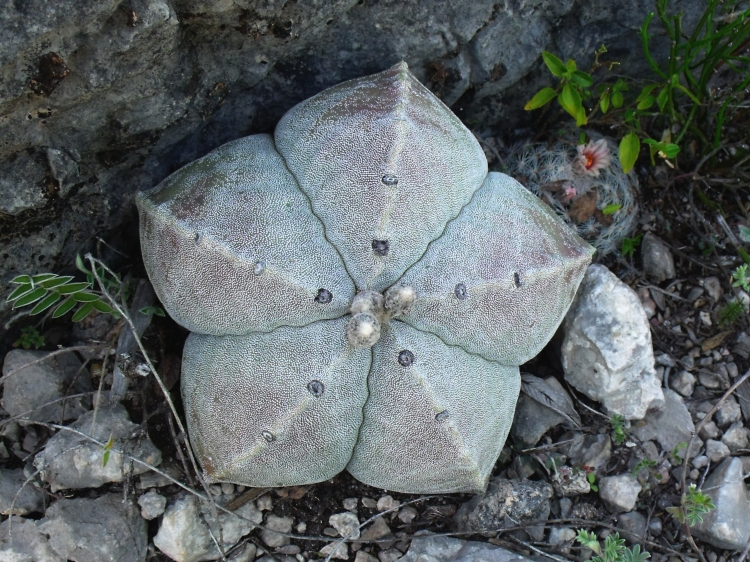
point(739, 278)
point(47, 290)
point(155, 310)
point(618, 429)
point(591, 477)
point(731, 313)
point(630, 244)
point(30, 337)
point(679, 99)
point(675, 454)
point(614, 549)
point(693, 506)
point(649, 466)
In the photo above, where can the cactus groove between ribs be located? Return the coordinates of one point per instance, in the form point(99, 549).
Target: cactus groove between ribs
point(371, 189)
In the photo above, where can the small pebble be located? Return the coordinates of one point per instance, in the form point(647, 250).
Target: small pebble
point(301, 527)
point(342, 550)
point(387, 502)
point(390, 555)
point(264, 503)
point(701, 461)
point(732, 369)
point(347, 524)
point(716, 451)
point(709, 431)
point(227, 488)
point(350, 504)
point(152, 504)
point(290, 549)
point(369, 503)
point(215, 489)
point(407, 514)
point(655, 526)
point(330, 532)
point(695, 473)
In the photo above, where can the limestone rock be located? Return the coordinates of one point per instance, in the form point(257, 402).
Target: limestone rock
point(606, 351)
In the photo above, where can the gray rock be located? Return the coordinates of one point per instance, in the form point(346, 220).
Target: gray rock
point(70, 460)
point(165, 80)
point(184, 533)
point(682, 382)
point(44, 382)
point(533, 419)
point(727, 526)
point(363, 556)
point(246, 554)
point(389, 555)
point(658, 263)
point(567, 481)
point(728, 413)
point(633, 526)
point(28, 544)
point(350, 504)
point(335, 550)
point(700, 461)
point(152, 504)
point(347, 524)
point(31, 498)
point(619, 493)
point(272, 535)
point(713, 287)
point(506, 503)
point(735, 437)
point(589, 450)
point(447, 549)
point(716, 450)
point(387, 502)
point(104, 529)
point(709, 431)
point(378, 529)
point(407, 514)
point(669, 426)
point(561, 535)
point(606, 350)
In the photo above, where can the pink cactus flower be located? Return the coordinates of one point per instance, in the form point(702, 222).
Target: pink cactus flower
point(592, 157)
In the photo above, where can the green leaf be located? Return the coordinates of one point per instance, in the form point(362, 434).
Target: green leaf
point(32, 296)
point(646, 102)
point(85, 297)
point(102, 306)
point(80, 265)
point(617, 100)
point(56, 282)
point(604, 101)
point(155, 310)
point(72, 288)
point(581, 118)
point(671, 150)
point(570, 100)
point(662, 98)
point(67, 305)
point(611, 209)
point(83, 312)
point(554, 64)
point(45, 303)
point(571, 66)
point(646, 91)
point(583, 79)
point(108, 450)
point(630, 146)
point(20, 291)
point(542, 97)
point(688, 93)
point(21, 280)
point(675, 80)
point(43, 277)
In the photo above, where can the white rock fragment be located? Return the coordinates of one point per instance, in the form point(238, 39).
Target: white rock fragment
point(184, 536)
point(619, 493)
point(607, 352)
point(152, 505)
point(347, 524)
point(341, 552)
point(387, 502)
point(272, 535)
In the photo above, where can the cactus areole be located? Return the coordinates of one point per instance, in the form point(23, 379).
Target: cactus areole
point(360, 293)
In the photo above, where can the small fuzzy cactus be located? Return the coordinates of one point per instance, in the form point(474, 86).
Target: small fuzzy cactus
point(360, 291)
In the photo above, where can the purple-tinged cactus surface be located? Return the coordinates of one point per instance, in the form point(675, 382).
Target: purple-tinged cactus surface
point(361, 293)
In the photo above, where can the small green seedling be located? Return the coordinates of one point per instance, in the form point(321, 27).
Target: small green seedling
point(618, 429)
point(630, 244)
point(107, 450)
point(614, 549)
point(30, 337)
point(739, 278)
point(649, 466)
point(591, 477)
point(693, 506)
point(675, 454)
point(731, 313)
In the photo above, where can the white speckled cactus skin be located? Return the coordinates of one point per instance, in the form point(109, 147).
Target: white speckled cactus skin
point(260, 247)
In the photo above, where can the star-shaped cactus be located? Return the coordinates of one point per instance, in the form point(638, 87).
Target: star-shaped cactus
point(361, 293)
